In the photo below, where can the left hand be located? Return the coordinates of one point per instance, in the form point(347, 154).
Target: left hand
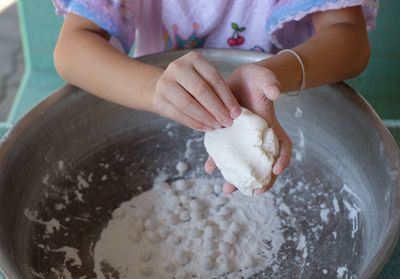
point(256, 88)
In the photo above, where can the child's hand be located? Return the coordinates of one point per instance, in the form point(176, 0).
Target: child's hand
point(256, 87)
point(190, 91)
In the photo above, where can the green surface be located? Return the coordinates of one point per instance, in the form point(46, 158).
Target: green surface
point(39, 30)
point(380, 83)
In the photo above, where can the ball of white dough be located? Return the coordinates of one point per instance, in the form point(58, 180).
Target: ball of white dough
point(229, 238)
point(173, 239)
point(207, 189)
point(207, 262)
point(245, 162)
point(137, 224)
point(182, 167)
point(171, 219)
point(140, 213)
point(224, 264)
point(224, 225)
point(172, 202)
point(195, 205)
point(250, 261)
point(134, 235)
point(184, 216)
point(201, 224)
point(187, 243)
point(163, 233)
point(196, 215)
point(118, 213)
point(169, 267)
point(184, 199)
point(170, 192)
point(145, 255)
point(182, 274)
point(181, 185)
point(221, 200)
point(146, 270)
point(152, 236)
point(161, 186)
point(209, 245)
point(234, 228)
point(183, 257)
point(194, 233)
point(217, 189)
point(225, 211)
point(225, 267)
point(150, 224)
point(224, 248)
point(210, 232)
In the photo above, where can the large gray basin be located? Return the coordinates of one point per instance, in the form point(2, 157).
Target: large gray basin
point(341, 150)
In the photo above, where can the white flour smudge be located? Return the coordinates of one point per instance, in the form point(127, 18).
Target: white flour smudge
point(341, 272)
point(187, 229)
point(51, 226)
point(298, 113)
point(324, 215)
point(353, 216)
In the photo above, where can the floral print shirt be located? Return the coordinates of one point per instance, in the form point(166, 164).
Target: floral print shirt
point(158, 25)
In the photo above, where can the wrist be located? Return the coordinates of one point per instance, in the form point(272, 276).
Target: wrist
point(286, 69)
point(142, 85)
point(150, 90)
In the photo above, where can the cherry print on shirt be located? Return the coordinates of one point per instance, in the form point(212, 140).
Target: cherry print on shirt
point(193, 41)
point(236, 39)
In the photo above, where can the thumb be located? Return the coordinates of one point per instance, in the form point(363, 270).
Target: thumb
point(272, 92)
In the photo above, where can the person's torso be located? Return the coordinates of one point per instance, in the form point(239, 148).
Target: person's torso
point(174, 24)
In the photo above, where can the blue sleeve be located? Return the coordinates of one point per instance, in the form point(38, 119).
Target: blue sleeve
point(116, 17)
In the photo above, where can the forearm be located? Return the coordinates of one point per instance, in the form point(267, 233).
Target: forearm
point(86, 59)
point(337, 51)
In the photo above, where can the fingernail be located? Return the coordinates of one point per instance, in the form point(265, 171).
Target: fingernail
point(258, 191)
point(227, 122)
point(276, 170)
point(235, 112)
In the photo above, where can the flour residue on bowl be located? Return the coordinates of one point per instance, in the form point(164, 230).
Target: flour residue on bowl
point(189, 228)
point(309, 210)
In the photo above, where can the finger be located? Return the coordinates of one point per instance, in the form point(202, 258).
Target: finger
point(228, 188)
point(193, 83)
point(266, 187)
point(272, 92)
point(187, 104)
point(210, 165)
point(170, 111)
point(214, 79)
point(285, 154)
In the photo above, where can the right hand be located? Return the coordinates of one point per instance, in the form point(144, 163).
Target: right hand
point(256, 88)
point(192, 92)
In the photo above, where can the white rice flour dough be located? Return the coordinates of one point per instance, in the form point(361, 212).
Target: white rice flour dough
point(244, 152)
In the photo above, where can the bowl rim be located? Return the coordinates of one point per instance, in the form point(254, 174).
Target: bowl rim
point(387, 245)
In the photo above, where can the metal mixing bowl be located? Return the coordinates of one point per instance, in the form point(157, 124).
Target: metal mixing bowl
point(341, 147)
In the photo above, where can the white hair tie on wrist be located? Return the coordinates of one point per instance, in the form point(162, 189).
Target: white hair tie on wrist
point(303, 72)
